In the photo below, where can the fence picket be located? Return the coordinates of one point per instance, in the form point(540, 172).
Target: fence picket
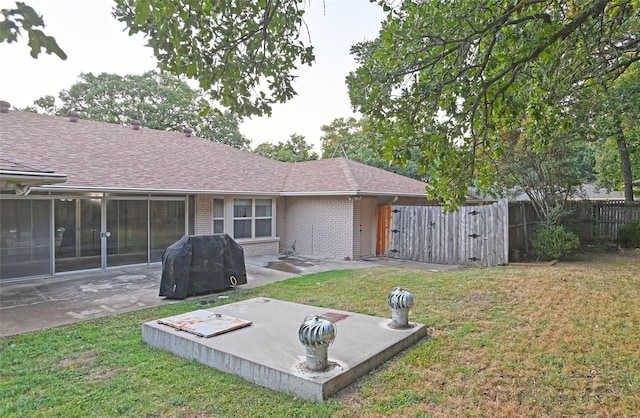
point(476, 235)
point(592, 221)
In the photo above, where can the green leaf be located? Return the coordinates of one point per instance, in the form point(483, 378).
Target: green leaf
point(458, 78)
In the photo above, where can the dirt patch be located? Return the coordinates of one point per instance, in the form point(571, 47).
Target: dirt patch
point(86, 364)
point(101, 375)
point(81, 361)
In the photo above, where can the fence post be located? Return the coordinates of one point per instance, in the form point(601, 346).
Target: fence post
point(524, 227)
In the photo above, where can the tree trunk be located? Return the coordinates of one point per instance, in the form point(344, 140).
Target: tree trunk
point(625, 162)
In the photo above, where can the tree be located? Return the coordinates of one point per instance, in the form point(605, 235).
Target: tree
point(158, 100)
point(544, 155)
point(294, 150)
point(223, 127)
point(549, 173)
point(343, 137)
point(45, 104)
point(607, 118)
point(616, 124)
point(442, 75)
point(352, 139)
point(242, 52)
point(23, 18)
point(439, 78)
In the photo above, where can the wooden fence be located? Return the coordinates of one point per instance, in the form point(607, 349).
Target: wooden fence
point(488, 235)
point(522, 223)
point(473, 235)
point(592, 221)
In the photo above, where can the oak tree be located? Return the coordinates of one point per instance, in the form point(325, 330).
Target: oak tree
point(353, 139)
point(242, 52)
point(446, 76)
point(24, 19)
point(294, 150)
point(443, 77)
point(158, 100)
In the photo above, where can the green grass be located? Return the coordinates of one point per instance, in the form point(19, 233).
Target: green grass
point(509, 341)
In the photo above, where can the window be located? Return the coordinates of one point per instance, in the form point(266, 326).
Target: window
point(166, 219)
point(252, 218)
point(25, 232)
point(242, 218)
point(218, 216)
point(263, 218)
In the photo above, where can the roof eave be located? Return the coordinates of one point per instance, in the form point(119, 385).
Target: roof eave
point(92, 189)
point(351, 193)
point(10, 179)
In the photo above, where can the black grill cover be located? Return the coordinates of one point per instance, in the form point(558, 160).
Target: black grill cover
point(198, 264)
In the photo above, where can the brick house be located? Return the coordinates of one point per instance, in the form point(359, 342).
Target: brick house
point(80, 195)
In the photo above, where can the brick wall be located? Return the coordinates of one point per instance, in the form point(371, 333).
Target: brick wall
point(320, 226)
point(204, 215)
point(265, 247)
point(355, 252)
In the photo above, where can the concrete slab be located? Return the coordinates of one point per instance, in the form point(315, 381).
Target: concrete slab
point(269, 353)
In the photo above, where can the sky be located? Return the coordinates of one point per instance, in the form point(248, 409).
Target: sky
point(95, 42)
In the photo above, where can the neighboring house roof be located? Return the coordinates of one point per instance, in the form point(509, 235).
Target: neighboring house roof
point(587, 191)
point(592, 192)
point(102, 156)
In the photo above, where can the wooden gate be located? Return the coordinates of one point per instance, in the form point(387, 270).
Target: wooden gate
point(383, 230)
point(473, 235)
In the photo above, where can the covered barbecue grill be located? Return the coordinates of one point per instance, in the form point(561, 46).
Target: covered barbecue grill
point(199, 264)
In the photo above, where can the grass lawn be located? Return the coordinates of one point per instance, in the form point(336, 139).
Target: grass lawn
point(553, 341)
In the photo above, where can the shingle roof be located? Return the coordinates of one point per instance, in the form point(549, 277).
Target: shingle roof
point(341, 175)
point(12, 165)
point(107, 156)
point(14, 175)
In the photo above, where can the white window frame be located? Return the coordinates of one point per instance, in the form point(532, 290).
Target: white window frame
point(253, 218)
point(218, 218)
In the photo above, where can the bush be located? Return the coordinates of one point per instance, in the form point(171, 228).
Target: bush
point(629, 235)
point(554, 242)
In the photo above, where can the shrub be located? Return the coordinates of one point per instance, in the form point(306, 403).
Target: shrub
point(629, 235)
point(554, 242)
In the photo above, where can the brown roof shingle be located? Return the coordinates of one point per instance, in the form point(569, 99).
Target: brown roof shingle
point(107, 156)
point(342, 176)
point(12, 165)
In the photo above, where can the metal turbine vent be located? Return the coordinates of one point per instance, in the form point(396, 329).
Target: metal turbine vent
point(317, 334)
point(400, 301)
